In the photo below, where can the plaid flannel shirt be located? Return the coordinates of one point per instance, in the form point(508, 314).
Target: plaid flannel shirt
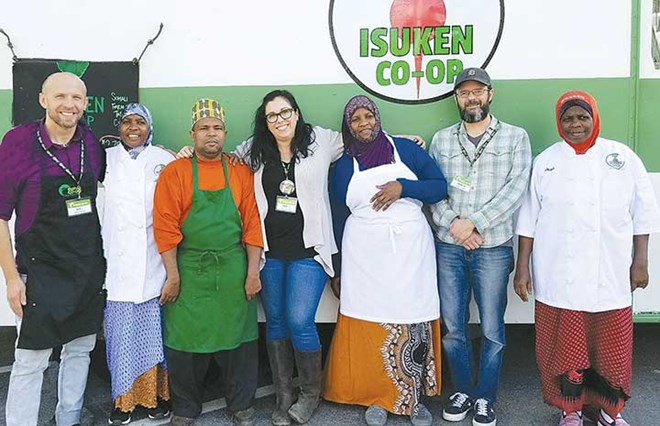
point(499, 179)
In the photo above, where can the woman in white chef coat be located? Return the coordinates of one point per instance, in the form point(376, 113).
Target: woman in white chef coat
point(136, 273)
point(590, 205)
point(385, 352)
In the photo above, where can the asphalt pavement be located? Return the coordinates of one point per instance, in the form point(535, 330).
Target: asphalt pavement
point(519, 402)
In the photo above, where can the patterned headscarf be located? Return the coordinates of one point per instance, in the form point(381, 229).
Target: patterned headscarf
point(370, 153)
point(588, 103)
point(142, 111)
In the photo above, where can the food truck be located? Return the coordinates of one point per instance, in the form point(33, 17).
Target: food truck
point(404, 54)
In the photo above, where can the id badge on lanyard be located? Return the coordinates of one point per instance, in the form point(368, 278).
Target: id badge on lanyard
point(464, 183)
point(286, 204)
point(78, 206)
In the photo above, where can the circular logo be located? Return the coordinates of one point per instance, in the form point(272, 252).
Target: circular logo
point(411, 51)
point(159, 168)
point(66, 190)
point(615, 161)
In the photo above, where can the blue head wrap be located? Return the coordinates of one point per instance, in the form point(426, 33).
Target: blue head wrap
point(142, 111)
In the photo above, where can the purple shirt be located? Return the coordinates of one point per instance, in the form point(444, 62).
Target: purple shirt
point(21, 159)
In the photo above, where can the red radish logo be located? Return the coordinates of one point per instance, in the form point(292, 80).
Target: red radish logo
point(412, 51)
point(420, 14)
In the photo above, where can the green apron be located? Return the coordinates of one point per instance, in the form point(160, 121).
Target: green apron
point(211, 313)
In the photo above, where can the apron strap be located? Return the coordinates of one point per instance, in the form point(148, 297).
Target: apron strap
point(195, 174)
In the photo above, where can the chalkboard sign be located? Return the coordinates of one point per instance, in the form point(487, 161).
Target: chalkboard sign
point(110, 86)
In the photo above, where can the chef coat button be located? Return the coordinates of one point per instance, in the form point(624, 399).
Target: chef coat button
point(592, 202)
point(570, 281)
point(121, 253)
point(121, 228)
point(571, 203)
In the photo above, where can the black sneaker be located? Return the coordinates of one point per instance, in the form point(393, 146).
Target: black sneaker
point(458, 408)
point(484, 415)
point(161, 411)
point(118, 417)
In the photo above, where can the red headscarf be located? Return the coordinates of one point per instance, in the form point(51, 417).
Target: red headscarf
point(572, 98)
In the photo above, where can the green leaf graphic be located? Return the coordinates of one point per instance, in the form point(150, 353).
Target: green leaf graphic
point(74, 67)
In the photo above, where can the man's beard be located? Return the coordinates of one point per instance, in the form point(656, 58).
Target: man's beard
point(475, 116)
point(62, 122)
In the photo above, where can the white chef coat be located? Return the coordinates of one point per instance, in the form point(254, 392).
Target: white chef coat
point(135, 269)
point(388, 271)
point(582, 211)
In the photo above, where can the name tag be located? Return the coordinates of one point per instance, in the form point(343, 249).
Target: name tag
point(461, 183)
point(78, 206)
point(286, 204)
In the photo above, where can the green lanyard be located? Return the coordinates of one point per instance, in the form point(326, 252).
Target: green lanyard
point(77, 189)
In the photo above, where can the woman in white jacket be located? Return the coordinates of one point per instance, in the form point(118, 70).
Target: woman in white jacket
point(135, 274)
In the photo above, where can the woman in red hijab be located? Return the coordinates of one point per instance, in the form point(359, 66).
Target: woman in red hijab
point(578, 120)
point(590, 205)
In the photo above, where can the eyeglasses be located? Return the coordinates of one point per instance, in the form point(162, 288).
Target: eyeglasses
point(285, 114)
point(475, 92)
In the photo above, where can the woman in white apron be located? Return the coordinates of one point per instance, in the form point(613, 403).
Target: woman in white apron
point(385, 353)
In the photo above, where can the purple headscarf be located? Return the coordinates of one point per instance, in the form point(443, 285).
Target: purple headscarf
point(370, 153)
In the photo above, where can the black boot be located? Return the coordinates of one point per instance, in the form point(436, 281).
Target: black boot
point(310, 375)
point(280, 355)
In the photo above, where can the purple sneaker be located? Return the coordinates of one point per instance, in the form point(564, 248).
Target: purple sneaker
point(572, 419)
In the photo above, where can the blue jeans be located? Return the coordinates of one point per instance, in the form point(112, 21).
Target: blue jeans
point(486, 272)
point(291, 292)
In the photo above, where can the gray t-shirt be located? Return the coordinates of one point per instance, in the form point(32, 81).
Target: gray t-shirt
point(476, 139)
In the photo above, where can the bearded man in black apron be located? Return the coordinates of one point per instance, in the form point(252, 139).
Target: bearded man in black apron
point(48, 174)
point(207, 228)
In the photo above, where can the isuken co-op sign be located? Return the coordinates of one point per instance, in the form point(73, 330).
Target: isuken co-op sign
point(411, 51)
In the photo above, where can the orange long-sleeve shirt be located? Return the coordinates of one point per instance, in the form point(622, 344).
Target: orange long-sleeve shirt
point(173, 198)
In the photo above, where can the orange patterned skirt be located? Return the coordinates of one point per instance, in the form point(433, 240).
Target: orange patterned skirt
point(389, 365)
point(146, 391)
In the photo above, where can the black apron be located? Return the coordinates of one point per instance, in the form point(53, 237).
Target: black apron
point(63, 259)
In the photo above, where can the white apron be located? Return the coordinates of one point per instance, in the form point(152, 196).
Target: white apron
point(388, 257)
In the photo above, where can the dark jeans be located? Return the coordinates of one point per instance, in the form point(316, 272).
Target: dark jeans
point(238, 372)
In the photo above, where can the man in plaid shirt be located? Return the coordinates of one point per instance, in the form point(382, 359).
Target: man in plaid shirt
point(488, 163)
